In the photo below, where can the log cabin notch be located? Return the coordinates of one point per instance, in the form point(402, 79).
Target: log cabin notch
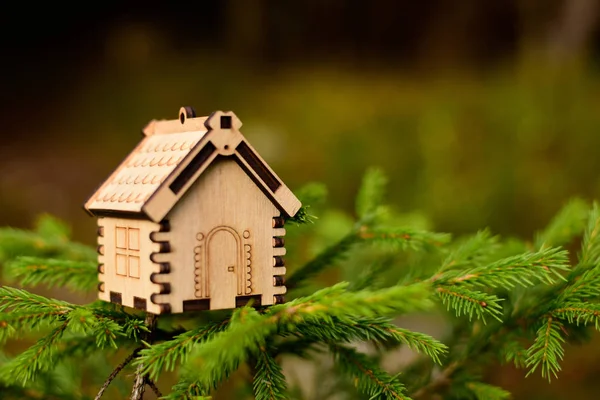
point(192, 219)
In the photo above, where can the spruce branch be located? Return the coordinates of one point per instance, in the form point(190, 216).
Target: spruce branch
point(484, 391)
point(576, 313)
point(442, 380)
point(371, 276)
point(405, 238)
point(325, 259)
point(165, 355)
point(302, 216)
point(567, 224)
point(590, 248)
point(12, 324)
point(76, 275)
point(22, 301)
point(152, 385)
point(396, 238)
point(547, 350)
point(471, 252)
point(470, 303)
point(269, 381)
point(22, 311)
point(38, 357)
point(49, 240)
point(367, 230)
point(513, 351)
point(582, 285)
point(367, 376)
point(523, 269)
point(216, 358)
point(378, 330)
point(115, 372)
point(370, 194)
point(310, 194)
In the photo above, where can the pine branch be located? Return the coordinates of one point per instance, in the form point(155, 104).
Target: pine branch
point(567, 224)
point(115, 372)
point(13, 324)
point(367, 376)
point(547, 350)
point(22, 301)
point(325, 259)
point(76, 275)
point(513, 351)
point(165, 355)
point(38, 357)
point(370, 195)
point(50, 240)
point(216, 358)
point(582, 284)
point(369, 211)
point(397, 238)
point(378, 330)
point(483, 391)
point(405, 238)
point(337, 301)
point(269, 381)
point(302, 216)
point(154, 388)
point(472, 251)
point(310, 194)
point(584, 313)
point(188, 389)
point(523, 269)
point(372, 276)
point(590, 249)
point(22, 311)
point(440, 381)
point(472, 303)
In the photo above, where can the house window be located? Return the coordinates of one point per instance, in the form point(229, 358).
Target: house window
point(127, 244)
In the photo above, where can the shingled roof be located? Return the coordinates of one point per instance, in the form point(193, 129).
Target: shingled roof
point(169, 159)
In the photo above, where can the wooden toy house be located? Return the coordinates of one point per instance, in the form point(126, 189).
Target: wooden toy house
point(192, 219)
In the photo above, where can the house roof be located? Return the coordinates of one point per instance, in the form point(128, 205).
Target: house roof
point(169, 159)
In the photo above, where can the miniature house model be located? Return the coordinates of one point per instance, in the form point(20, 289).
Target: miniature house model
point(192, 219)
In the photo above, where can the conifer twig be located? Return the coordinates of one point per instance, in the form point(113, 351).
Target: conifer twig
point(436, 384)
point(141, 378)
point(116, 371)
point(154, 388)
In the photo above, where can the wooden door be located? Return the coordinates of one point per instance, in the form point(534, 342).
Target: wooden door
point(223, 263)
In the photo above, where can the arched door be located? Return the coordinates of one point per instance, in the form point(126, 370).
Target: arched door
point(223, 262)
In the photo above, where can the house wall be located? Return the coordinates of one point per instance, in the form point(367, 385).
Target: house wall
point(125, 267)
point(221, 230)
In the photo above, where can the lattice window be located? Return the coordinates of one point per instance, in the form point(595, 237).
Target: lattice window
point(127, 244)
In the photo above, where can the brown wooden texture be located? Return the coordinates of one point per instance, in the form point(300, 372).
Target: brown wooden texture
point(224, 235)
point(192, 220)
point(171, 157)
point(126, 260)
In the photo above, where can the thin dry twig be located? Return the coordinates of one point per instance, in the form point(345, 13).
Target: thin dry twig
point(116, 371)
point(154, 388)
point(437, 383)
point(141, 379)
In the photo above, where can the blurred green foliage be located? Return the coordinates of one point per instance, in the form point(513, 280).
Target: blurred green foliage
point(502, 149)
point(465, 147)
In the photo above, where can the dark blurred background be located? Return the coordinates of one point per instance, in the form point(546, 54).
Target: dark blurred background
point(483, 113)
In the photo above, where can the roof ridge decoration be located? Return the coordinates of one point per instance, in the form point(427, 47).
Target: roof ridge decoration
point(170, 158)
